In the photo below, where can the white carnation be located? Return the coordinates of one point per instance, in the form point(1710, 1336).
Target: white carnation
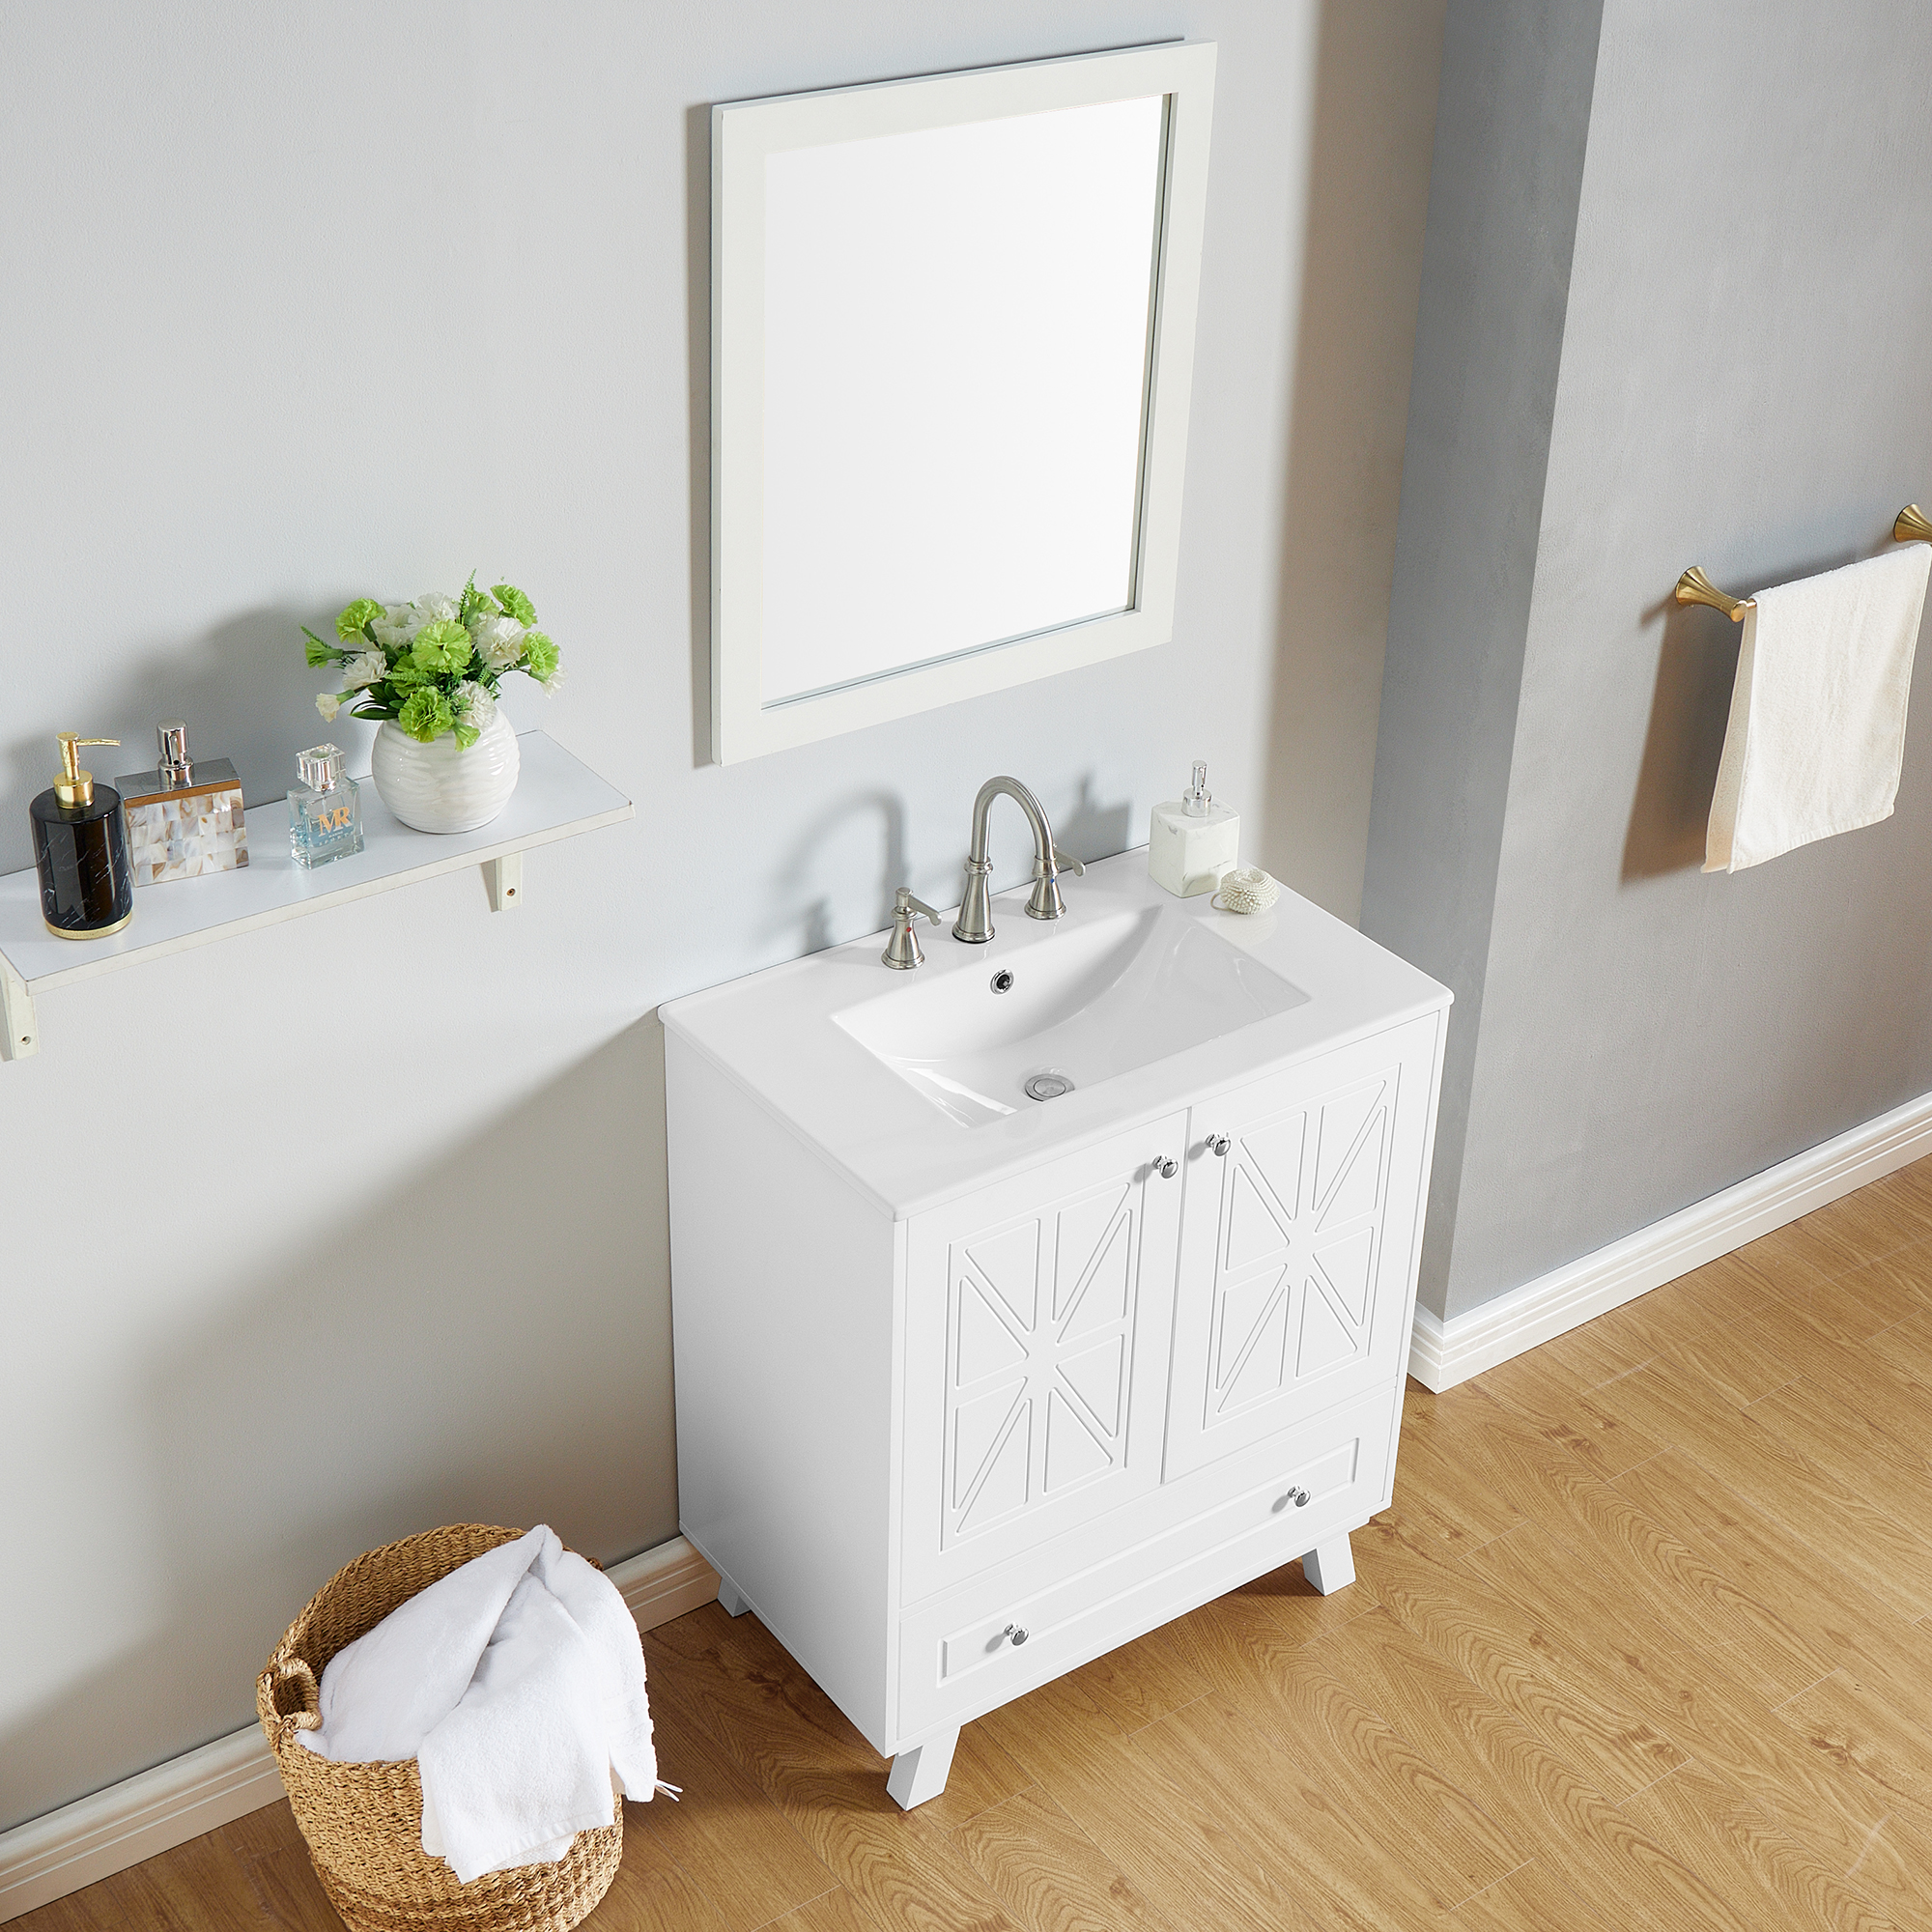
point(552, 683)
point(396, 626)
point(363, 669)
point(328, 704)
point(433, 608)
point(499, 641)
point(474, 707)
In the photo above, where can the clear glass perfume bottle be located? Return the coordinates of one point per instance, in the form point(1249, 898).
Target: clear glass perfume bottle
point(325, 810)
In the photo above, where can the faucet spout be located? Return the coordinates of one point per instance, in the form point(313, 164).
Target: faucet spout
point(975, 924)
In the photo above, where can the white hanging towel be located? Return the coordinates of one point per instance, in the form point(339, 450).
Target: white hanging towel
point(1817, 727)
point(517, 1682)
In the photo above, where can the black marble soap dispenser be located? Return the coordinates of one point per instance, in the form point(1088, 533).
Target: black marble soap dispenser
point(80, 850)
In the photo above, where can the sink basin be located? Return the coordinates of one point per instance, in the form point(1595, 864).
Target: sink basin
point(914, 1087)
point(1064, 1014)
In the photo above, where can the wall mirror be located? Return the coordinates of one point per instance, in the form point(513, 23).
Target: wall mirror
point(952, 333)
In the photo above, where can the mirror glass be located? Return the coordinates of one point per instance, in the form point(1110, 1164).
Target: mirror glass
point(957, 329)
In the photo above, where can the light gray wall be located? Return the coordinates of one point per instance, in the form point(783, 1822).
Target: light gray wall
point(354, 1225)
point(1744, 384)
point(1510, 129)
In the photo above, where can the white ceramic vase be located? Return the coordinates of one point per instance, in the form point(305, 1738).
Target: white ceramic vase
point(440, 786)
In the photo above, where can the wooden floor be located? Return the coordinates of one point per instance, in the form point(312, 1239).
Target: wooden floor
point(1642, 1643)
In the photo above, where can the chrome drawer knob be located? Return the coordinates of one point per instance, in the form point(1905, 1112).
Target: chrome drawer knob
point(1218, 1144)
point(1165, 1166)
point(1014, 1631)
point(1298, 1497)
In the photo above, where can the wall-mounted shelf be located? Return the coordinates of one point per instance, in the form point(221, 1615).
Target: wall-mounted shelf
point(557, 797)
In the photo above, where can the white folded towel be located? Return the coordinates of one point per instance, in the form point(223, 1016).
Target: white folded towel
point(517, 1682)
point(1817, 727)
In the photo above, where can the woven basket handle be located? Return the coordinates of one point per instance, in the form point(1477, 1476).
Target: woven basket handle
point(293, 1670)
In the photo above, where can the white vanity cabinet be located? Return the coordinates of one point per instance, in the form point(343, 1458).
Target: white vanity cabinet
point(951, 1452)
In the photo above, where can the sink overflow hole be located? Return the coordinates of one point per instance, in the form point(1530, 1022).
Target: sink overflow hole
point(1048, 1086)
point(1003, 980)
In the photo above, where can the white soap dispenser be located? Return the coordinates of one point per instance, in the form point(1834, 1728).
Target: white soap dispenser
point(1192, 843)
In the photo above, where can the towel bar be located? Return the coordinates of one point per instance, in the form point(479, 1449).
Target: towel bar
point(1912, 526)
point(1694, 587)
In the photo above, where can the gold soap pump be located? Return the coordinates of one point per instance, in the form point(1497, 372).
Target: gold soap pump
point(75, 786)
point(81, 849)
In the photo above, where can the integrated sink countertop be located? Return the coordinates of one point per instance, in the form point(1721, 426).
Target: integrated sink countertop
point(916, 1085)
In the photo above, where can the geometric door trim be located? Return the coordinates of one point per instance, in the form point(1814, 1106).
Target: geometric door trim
point(1041, 1357)
point(1282, 1307)
point(1038, 1314)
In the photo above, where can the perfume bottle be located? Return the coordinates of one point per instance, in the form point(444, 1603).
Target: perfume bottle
point(80, 850)
point(1192, 843)
point(185, 817)
point(325, 810)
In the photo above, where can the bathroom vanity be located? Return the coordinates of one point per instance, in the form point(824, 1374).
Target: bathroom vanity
point(974, 1386)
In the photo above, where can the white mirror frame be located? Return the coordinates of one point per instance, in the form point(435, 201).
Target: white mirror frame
point(743, 133)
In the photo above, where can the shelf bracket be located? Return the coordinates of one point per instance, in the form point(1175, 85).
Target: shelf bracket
point(504, 878)
point(22, 1038)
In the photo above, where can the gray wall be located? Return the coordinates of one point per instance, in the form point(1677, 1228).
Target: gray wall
point(354, 1226)
point(1744, 383)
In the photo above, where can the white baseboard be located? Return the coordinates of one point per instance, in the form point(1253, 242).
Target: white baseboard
point(1443, 1353)
point(49, 1857)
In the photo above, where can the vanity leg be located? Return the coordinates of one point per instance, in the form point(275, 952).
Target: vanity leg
point(734, 1600)
point(919, 1773)
point(1329, 1566)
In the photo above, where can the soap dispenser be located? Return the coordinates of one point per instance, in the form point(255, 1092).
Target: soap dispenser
point(1192, 842)
point(80, 850)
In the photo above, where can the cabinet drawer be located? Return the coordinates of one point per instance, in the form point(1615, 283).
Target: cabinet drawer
point(963, 1655)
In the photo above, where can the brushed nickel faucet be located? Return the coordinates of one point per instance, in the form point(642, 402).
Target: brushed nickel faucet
point(902, 952)
point(975, 924)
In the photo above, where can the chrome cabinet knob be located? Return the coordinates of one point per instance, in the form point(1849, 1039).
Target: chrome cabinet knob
point(1165, 1166)
point(1014, 1631)
point(1298, 1497)
point(1218, 1144)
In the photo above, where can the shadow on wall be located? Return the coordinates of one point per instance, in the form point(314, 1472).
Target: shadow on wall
point(831, 847)
point(501, 1308)
point(1361, 270)
point(1690, 707)
point(242, 687)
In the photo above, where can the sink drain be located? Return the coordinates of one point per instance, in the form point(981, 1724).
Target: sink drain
point(1049, 1086)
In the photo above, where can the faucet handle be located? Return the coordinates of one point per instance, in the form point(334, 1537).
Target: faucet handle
point(1067, 864)
point(902, 947)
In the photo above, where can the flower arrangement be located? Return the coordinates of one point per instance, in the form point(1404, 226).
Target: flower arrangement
point(434, 665)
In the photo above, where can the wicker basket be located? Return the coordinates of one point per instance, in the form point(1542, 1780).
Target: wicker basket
point(363, 1822)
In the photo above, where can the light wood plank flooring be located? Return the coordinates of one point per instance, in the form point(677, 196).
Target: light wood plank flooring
point(1644, 1642)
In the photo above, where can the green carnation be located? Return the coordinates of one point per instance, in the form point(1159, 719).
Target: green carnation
point(426, 713)
point(317, 652)
point(441, 646)
point(515, 603)
point(539, 655)
point(364, 611)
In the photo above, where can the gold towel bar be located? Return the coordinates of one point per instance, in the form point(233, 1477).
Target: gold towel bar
point(1694, 587)
point(1910, 525)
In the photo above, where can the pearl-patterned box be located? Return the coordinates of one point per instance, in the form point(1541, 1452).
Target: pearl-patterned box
point(179, 831)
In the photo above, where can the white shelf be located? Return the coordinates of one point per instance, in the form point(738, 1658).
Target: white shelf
point(557, 797)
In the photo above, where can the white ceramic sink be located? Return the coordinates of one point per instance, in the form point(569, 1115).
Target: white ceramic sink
point(913, 1085)
point(1079, 1006)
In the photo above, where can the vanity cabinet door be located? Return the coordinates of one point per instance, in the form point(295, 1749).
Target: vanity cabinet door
point(1038, 1314)
point(1298, 1243)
